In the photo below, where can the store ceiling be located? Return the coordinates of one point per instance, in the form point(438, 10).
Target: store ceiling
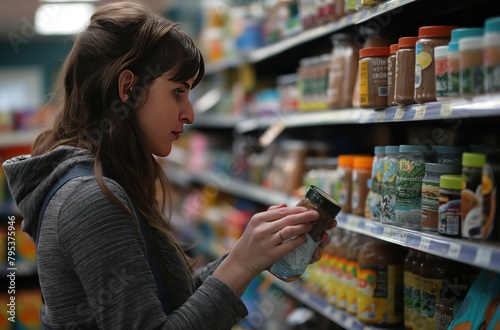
point(17, 16)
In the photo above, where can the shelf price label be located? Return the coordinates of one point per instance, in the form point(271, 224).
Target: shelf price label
point(425, 243)
point(483, 257)
point(454, 250)
point(395, 234)
point(419, 112)
point(353, 221)
point(446, 110)
point(400, 111)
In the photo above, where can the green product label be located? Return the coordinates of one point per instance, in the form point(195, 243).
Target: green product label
point(453, 84)
point(442, 85)
point(472, 80)
point(409, 192)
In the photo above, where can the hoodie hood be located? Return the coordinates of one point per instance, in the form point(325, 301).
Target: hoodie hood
point(30, 179)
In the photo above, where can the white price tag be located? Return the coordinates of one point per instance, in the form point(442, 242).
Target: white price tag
point(357, 17)
point(454, 250)
point(483, 257)
point(420, 112)
point(395, 234)
point(425, 242)
point(400, 111)
point(446, 110)
point(349, 322)
point(337, 315)
point(353, 221)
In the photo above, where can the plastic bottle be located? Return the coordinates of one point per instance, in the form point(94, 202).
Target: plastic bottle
point(471, 52)
point(408, 280)
point(380, 284)
point(362, 171)
point(354, 246)
point(441, 69)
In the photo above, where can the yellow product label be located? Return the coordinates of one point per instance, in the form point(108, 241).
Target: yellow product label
point(380, 294)
point(341, 281)
point(331, 295)
point(430, 289)
point(424, 59)
point(363, 82)
point(352, 288)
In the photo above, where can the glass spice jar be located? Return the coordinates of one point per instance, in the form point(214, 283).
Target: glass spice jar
point(373, 77)
point(429, 37)
point(492, 54)
point(391, 74)
point(405, 71)
point(293, 264)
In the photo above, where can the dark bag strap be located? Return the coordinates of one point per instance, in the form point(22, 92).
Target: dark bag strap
point(86, 170)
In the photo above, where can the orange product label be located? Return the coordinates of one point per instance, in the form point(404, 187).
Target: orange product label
point(341, 287)
point(363, 82)
point(352, 289)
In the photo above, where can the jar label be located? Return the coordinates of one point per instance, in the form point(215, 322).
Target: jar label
point(341, 273)
point(429, 293)
point(430, 205)
point(441, 66)
point(449, 214)
point(352, 287)
point(380, 292)
point(472, 209)
point(410, 173)
point(493, 79)
point(363, 82)
point(388, 193)
point(472, 80)
point(295, 262)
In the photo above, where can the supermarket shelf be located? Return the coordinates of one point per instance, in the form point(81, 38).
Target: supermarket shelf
point(486, 106)
point(18, 138)
point(479, 254)
point(227, 63)
point(314, 33)
point(268, 51)
point(215, 121)
point(340, 317)
point(221, 181)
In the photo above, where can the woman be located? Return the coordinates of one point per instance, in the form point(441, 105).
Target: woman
point(124, 101)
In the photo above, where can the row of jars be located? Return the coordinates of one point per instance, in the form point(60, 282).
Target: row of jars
point(441, 62)
point(386, 285)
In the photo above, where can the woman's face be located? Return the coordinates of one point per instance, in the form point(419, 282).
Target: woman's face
point(163, 115)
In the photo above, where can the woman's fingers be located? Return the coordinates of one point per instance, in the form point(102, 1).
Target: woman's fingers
point(274, 207)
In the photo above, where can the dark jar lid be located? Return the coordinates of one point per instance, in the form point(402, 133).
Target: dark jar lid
point(323, 200)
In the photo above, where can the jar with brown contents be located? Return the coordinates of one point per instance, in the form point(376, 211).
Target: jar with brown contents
point(391, 74)
point(429, 38)
point(405, 71)
point(373, 77)
point(293, 264)
point(471, 66)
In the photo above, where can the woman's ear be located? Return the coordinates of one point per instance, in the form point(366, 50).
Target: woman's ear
point(126, 81)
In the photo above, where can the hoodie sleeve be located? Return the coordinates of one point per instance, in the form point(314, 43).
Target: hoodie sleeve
point(105, 249)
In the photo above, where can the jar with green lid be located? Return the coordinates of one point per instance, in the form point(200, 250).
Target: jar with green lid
point(293, 264)
point(492, 55)
point(450, 187)
point(388, 189)
point(471, 196)
point(409, 174)
point(430, 193)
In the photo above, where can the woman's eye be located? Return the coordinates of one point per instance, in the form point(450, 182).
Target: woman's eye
point(178, 93)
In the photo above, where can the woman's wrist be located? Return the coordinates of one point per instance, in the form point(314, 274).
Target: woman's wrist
point(234, 274)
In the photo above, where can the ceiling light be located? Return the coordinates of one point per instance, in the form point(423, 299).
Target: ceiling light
point(62, 18)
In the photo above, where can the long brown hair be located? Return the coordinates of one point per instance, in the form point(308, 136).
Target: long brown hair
point(120, 36)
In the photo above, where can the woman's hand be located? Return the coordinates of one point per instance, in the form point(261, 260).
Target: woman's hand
point(266, 239)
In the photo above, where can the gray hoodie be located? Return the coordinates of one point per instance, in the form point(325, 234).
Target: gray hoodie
point(91, 256)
